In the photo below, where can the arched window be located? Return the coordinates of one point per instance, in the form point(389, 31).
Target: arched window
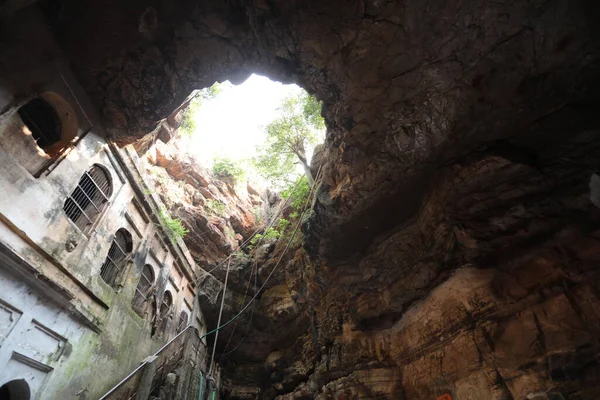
point(143, 290)
point(40, 132)
point(50, 121)
point(165, 308)
point(43, 123)
point(183, 321)
point(117, 256)
point(89, 198)
point(17, 389)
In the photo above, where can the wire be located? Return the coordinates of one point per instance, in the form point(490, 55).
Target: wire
point(259, 290)
point(212, 357)
point(255, 269)
point(247, 241)
point(255, 273)
point(218, 328)
point(308, 198)
point(247, 326)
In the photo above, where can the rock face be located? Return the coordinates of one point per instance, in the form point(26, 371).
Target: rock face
point(218, 215)
point(454, 247)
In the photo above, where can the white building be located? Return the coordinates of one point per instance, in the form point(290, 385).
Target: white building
point(91, 279)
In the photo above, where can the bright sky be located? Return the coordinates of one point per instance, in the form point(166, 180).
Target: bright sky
point(232, 124)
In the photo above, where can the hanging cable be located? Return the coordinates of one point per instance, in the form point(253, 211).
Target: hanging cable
point(255, 269)
point(266, 280)
point(276, 264)
point(254, 272)
point(225, 352)
point(273, 220)
point(247, 326)
point(212, 357)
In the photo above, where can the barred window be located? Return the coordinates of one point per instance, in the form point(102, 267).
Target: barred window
point(89, 198)
point(183, 321)
point(143, 290)
point(165, 307)
point(117, 256)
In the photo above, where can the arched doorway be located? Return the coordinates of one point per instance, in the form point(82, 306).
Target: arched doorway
point(17, 389)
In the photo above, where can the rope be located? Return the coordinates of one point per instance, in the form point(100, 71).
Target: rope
point(218, 328)
point(308, 198)
point(255, 269)
point(247, 326)
point(212, 357)
point(247, 241)
point(255, 273)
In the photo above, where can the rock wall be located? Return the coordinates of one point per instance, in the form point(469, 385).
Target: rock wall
point(491, 292)
point(219, 214)
point(453, 244)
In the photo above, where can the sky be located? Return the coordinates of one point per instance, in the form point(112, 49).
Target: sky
point(232, 124)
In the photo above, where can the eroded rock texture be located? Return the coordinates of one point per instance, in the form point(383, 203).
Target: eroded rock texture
point(453, 246)
point(219, 215)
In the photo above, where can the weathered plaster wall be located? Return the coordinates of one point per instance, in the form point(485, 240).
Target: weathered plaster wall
point(106, 338)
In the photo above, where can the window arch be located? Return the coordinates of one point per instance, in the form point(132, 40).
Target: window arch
point(183, 321)
point(120, 248)
point(43, 122)
point(143, 290)
point(86, 203)
point(165, 308)
point(17, 389)
point(51, 122)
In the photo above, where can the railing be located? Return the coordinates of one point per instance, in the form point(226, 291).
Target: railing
point(165, 359)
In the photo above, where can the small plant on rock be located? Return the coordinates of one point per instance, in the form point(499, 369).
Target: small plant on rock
point(174, 227)
point(227, 168)
point(216, 208)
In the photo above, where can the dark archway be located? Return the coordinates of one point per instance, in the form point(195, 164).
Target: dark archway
point(43, 122)
point(17, 389)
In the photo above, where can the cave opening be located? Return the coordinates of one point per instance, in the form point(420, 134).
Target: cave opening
point(225, 126)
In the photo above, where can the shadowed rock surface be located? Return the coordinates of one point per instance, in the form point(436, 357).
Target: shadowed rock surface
point(454, 246)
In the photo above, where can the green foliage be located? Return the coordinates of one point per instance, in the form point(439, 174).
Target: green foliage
point(174, 226)
point(239, 257)
point(228, 168)
point(189, 125)
point(299, 125)
point(311, 109)
point(268, 235)
point(282, 226)
point(298, 192)
point(216, 207)
point(258, 214)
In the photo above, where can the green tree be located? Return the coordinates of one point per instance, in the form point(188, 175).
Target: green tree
point(299, 125)
point(188, 125)
point(228, 168)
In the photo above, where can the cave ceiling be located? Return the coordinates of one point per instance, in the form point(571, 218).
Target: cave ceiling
point(407, 86)
point(461, 136)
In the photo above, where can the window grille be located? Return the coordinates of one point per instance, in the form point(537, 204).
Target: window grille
point(143, 290)
point(43, 122)
point(86, 202)
point(117, 256)
point(183, 320)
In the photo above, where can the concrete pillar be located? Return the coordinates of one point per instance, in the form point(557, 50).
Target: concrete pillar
point(145, 386)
